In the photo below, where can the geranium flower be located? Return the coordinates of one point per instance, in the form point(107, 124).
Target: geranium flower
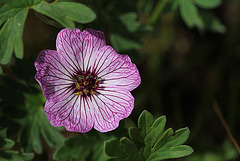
point(86, 82)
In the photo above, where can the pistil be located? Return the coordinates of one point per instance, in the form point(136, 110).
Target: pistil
point(85, 85)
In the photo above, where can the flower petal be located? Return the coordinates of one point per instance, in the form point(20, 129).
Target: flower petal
point(116, 70)
point(77, 48)
point(75, 113)
point(52, 76)
point(93, 42)
point(69, 47)
point(110, 106)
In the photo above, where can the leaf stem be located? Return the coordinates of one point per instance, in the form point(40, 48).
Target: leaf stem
point(225, 125)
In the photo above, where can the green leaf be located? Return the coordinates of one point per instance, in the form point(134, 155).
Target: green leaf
point(163, 139)
point(8, 143)
point(49, 133)
point(135, 135)
point(35, 124)
point(156, 131)
point(81, 147)
point(154, 134)
point(8, 155)
point(173, 152)
point(7, 41)
point(208, 4)
point(11, 37)
point(211, 23)
point(1, 71)
point(129, 20)
point(19, 21)
point(145, 121)
point(66, 12)
point(114, 149)
point(123, 44)
point(149, 141)
point(189, 12)
point(125, 149)
point(179, 137)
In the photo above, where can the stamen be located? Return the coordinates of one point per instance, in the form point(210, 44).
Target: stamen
point(77, 85)
point(78, 93)
point(86, 91)
point(92, 92)
point(85, 85)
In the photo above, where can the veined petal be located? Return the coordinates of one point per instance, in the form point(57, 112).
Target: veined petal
point(75, 113)
point(69, 44)
point(116, 70)
point(94, 41)
point(77, 49)
point(110, 106)
point(52, 76)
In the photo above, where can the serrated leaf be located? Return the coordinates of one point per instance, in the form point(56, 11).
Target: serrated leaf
point(208, 4)
point(66, 12)
point(189, 12)
point(173, 152)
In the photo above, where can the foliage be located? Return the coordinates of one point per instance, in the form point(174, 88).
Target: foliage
point(150, 142)
point(5, 149)
point(13, 15)
point(187, 52)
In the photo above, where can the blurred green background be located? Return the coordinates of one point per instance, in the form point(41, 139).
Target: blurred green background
point(187, 58)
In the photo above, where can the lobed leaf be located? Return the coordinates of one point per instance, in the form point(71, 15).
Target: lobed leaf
point(36, 124)
point(81, 147)
point(66, 12)
point(11, 36)
point(149, 141)
point(125, 149)
point(8, 155)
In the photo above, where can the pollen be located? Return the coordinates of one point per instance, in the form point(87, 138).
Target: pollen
point(85, 84)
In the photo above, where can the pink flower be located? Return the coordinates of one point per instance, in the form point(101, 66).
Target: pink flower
point(86, 83)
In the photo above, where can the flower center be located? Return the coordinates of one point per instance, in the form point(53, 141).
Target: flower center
point(85, 85)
